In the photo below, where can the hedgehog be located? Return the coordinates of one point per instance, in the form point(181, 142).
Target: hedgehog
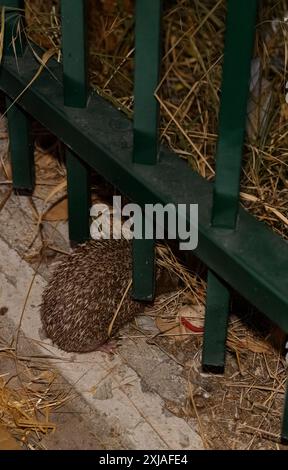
point(85, 291)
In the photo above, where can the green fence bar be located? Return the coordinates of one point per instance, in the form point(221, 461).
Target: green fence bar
point(143, 270)
point(14, 40)
point(216, 323)
point(75, 83)
point(74, 47)
point(145, 127)
point(147, 65)
point(21, 145)
point(285, 417)
point(79, 198)
point(21, 148)
point(240, 34)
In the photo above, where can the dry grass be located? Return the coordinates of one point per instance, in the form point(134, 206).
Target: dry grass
point(189, 89)
point(243, 409)
point(240, 410)
point(29, 395)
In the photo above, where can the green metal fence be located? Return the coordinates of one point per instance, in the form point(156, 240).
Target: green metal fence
point(240, 252)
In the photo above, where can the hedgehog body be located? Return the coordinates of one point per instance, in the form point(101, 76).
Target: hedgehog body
point(84, 293)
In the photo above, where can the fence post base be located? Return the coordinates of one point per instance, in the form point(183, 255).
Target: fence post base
point(216, 323)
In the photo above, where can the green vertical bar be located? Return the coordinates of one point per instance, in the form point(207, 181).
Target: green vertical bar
point(143, 270)
point(145, 127)
point(285, 417)
point(79, 201)
point(216, 322)
point(74, 46)
point(240, 34)
point(75, 83)
point(21, 145)
point(14, 9)
point(21, 148)
point(147, 65)
point(143, 287)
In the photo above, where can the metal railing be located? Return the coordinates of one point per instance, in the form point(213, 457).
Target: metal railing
point(239, 251)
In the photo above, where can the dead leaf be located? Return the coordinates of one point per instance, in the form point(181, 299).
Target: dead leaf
point(194, 314)
point(60, 187)
point(57, 212)
point(174, 326)
point(171, 327)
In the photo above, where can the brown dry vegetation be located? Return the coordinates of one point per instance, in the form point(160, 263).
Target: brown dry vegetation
point(189, 91)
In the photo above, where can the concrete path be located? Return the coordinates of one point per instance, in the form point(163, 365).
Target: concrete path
point(121, 398)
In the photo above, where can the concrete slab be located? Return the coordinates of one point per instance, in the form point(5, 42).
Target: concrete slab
point(78, 426)
point(120, 389)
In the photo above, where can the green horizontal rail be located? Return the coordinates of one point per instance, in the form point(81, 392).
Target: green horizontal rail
point(253, 260)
